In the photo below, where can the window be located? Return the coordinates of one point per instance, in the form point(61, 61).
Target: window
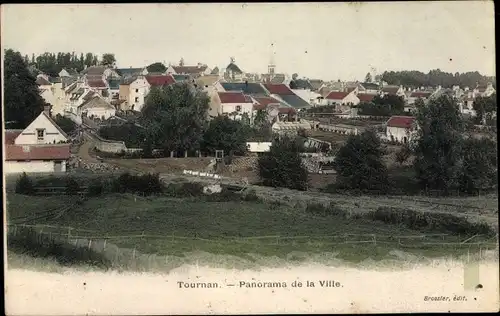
point(137, 90)
point(137, 99)
point(40, 133)
point(238, 108)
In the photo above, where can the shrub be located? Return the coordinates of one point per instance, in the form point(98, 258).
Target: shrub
point(322, 210)
point(146, 184)
point(96, 188)
point(250, 196)
point(72, 186)
point(24, 185)
point(186, 189)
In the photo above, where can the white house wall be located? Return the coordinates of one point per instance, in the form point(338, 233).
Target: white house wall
point(397, 133)
point(29, 135)
point(34, 166)
point(138, 89)
point(228, 108)
point(100, 112)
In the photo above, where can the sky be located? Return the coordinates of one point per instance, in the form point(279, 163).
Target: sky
point(326, 41)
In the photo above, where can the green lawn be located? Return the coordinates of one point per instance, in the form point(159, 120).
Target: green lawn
point(178, 226)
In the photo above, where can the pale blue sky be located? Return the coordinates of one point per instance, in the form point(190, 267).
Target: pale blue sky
point(317, 40)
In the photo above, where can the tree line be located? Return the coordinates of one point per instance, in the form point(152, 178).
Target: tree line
point(52, 63)
point(436, 77)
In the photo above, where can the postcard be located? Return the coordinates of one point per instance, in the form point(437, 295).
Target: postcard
point(250, 158)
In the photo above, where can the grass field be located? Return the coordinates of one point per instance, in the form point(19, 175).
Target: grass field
point(177, 227)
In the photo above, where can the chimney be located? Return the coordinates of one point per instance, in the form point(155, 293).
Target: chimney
point(46, 109)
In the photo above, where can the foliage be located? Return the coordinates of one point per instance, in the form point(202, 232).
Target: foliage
point(369, 108)
point(95, 188)
point(485, 107)
point(51, 64)
point(185, 189)
point(438, 147)
point(225, 134)
point(403, 154)
point(321, 109)
point(417, 79)
point(66, 124)
point(131, 134)
point(368, 78)
point(22, 100)
point(157, 67)
point(24, 185)
point(480, 163)
point(108, 59)
point(444, 222)
point(331, 210)
point(282, 166)
point(146, 184)
point(175, 117)
point(72, 186)
point(359, 163)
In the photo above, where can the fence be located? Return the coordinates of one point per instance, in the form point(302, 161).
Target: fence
point(133, 258)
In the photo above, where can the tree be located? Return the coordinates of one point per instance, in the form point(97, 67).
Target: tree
point(479, 166)
point(226, 134)
point(22, 100)
point(66, 124)
point(157, 67)
point(368, 77)
point(176, 117)
point(282, 166)
point(108, 59)
point(295, 76)
point(359, 163)
point(438, 145)
point(485, 107)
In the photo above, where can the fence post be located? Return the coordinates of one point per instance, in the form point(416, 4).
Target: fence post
point(375, 239)
point(104, 246)
point(90, 243)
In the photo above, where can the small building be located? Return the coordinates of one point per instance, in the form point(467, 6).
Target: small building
point(342, 99)
point(193, 71)
point(97, 107)
point(401, 128)
point(40, 147)
point(234, 105)
point(415, 95)
point(68, 72)
point(393, 90)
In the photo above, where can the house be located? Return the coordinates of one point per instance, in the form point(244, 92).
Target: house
point(276, 109)
point(250, 88)
point(193, 71)
point(366, 97)
point(40, 147)
point(204, 82)
point(134, 90)
point(70, 72)
point(393, 90)
point(114, 88)
point(415, 95)
point(342, 98)
point(58, 96)
point(285, 94)
point(97, 84)
point(96, 106)
point(45, 88)
point(131, 72)
point(311, 97)
point(370, 88)
point(180, 78)
point(233, 104)
point(484, 90)
point(100, 71)
point(401, 128)
point(233, 73)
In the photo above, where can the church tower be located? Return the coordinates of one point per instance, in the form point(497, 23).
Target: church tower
point(271, 68)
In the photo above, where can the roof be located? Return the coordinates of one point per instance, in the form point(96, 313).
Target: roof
point(66, 81)
point(207, 80)
point(370, 86)
point(41, 81)
point(70, 71)
point(365, 97)
point(11, 135)
point(54, 79)
point(286, 110)
point(94, 70)
point(420, 94)
point(189, 69)
point(215, 71)
point(390, 89)
point(75, 95)
point(96, 83)
point(303, 84)
point(181, 77)
point(295, 101)
point(164, 80)
point(279, 89)
point(127, 72)
point(114, 83)
point(232, 97)
point(401, 121)
point(128, 80)
point(89, 95)
point(96, 102)
point(234, 68)
point(336, 95)
point(247, 88)
point(316, 83)
point(55, 124)
point(278, 78)
point(263, 102)
point(350, 89)
point(37, 152)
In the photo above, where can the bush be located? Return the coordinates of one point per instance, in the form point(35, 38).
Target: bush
point(72, 186)
point(146, 184)
point(28, 241)
point(225, 195)
point(96, 188)
point(446, 223)
point(186, 189)
point(24, 185)
point(250, 196)
point(331, 210)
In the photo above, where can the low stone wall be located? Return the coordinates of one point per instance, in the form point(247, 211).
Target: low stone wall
point(339, 129)
point(201, 174)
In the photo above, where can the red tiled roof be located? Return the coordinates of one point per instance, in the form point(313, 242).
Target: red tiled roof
point(11, 135)
point(37, 152)
point(279, 89)
point(337, 95)
point(419, 94)
point(365, 97)
point(232, 97)
point(401, 121)
point(160, 80)
point(99, 83)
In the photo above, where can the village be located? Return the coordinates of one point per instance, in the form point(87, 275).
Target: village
point(329, 111)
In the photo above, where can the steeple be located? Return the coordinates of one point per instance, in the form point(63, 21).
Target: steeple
point(272, 65)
